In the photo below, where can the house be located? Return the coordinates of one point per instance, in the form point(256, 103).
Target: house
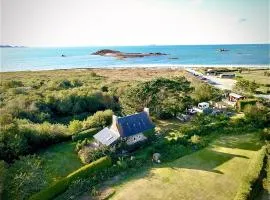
point(227, 76)
point(129, 128)
point(233, 97)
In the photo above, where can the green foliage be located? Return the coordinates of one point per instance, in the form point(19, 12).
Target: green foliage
point(75, 126)
point(85, 134)
point(265, 134)
point(89, 154)
point(99, 120)
point(255, 115)
point(11, 84)
point(205, 92)
point(244, 102)
point(24, 178)
point(165, 97)
point(84, 172)
point(246, 86)
point(3, 172)
point(249, 184)
point(195, 139)
point(80, 144)
point(20, 137)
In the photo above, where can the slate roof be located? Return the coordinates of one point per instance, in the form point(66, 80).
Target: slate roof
point(134, 124)
point(106, 136)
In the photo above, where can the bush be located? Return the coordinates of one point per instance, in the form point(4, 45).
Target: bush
point(89, 154)
point(249, 186)
point(85, 134)
point(84, 172)
point(99, 120)
point(75, 126)
point(255, 115)
point(241, 104)
point(12, 84)
point(25, 177)
point(21, 137)
point(265, 134)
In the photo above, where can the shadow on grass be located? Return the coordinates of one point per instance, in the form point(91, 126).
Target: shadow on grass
point(206, 160)
point(203, 160)
point(240, 142)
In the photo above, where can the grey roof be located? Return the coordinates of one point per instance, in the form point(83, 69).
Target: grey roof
point(106, 136)
point(134, 124)
point(235, 95)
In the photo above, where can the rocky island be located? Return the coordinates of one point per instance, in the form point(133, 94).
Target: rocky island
point(122, 55)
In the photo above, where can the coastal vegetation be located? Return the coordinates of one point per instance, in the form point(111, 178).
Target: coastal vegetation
point(48, 120)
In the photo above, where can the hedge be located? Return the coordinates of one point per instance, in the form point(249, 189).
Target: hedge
point(83, 172)
point(85, 134)
point(251, 182)
point(242, 103)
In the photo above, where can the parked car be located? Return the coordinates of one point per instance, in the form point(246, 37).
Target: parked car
point(191, 111)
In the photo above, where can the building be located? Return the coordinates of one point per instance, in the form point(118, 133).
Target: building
point(233, 97)
point(129, 128)
point(227, 76)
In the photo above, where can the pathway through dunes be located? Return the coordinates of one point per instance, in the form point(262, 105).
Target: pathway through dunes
point(211, 173)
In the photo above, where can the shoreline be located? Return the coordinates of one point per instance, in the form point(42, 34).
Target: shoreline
point(150, 66)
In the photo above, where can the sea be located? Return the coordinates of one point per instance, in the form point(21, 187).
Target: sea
point(34, 59)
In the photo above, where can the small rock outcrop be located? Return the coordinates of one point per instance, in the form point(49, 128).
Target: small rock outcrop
point(122, 55)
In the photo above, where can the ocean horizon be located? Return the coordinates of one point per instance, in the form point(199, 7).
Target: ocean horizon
point(49, 58)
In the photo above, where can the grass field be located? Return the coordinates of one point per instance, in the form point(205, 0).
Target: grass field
point(60, 160)
point(255, 75)
point(211, 173)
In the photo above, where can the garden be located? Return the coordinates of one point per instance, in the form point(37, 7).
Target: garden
point(48, 121)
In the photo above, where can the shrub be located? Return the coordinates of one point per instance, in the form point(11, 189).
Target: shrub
point(195, 139)
point(265, 134)
point(20, 137)
point(85, 134)
point(84, 172)
point(89, 154)
point(98, 120)
point(12, 84)
point(75, 126)
point(25, 177)
point(242, 103)
point(255, 115)
point(249, 186)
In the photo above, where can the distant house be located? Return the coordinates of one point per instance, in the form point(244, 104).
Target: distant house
point(227, 76)
point(130, 128)
point(233, 97)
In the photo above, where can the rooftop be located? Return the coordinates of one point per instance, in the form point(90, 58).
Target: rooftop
point(136, 123)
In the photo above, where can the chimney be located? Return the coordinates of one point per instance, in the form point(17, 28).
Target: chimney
point(147, 111)
point(114, 119)
point(114, 125)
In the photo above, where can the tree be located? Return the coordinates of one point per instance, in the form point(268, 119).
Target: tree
point(246, 86)
point(165, 97)
point(205, 92)
point(255, 114)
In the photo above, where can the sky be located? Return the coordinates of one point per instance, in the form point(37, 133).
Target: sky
point(134, 22)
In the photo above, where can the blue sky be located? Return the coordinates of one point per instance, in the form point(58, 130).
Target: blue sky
point(133, 22)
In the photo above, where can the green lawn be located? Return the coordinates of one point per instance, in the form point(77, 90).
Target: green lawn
point(60, 160)
point(211, 173)
point(255, 75)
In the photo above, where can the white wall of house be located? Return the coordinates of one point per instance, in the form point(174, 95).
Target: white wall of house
point(135, 138)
